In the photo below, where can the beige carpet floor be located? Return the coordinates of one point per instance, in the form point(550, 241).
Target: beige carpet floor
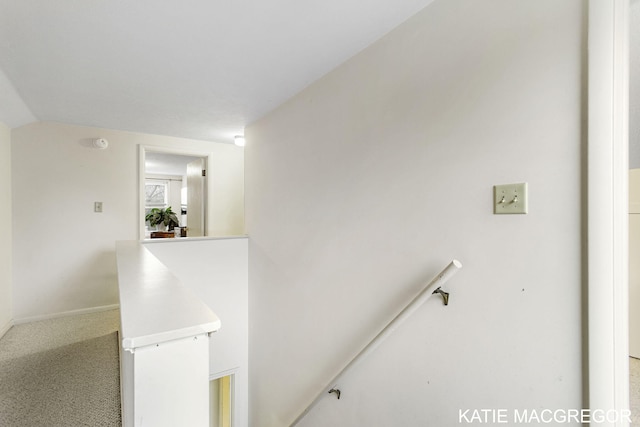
point(61, 372)
point(65, 372)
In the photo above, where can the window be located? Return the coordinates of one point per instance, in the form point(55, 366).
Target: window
point(156, 194)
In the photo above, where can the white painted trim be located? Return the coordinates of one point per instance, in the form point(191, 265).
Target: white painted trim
point(233, 390)
point(221, 374)
point(141, 197)
point(30, 319)
point(192, 239)
point(4, 329)
point(608, 207)
point(167, 385)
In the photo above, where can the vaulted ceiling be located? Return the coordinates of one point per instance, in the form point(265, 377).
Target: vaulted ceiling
point(201, 69)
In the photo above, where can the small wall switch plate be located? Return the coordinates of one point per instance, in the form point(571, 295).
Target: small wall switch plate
point(97, 206)
point(510, 199)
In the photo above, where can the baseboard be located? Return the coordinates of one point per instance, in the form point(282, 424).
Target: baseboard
point(5, 328)
point(66, 314)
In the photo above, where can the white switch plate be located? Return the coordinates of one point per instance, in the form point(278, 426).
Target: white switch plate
point(97, 206)
point(510, 199)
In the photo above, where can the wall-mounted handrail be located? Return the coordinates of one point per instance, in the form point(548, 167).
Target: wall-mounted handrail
point(426, 292)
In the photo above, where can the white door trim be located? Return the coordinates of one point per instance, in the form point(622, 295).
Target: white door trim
point(608, 169)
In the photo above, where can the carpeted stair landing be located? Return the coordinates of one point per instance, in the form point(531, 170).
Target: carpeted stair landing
point(73, 384)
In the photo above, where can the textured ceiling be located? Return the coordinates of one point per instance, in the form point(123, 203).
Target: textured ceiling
point(199, 69)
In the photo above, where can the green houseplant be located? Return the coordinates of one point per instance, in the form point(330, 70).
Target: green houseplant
point(158, 216)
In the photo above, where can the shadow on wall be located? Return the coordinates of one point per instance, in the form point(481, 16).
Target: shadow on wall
point(102, 269)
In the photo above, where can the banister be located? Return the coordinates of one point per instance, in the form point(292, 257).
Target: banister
point(154, 306)
point(426, 292)
point(165, 330)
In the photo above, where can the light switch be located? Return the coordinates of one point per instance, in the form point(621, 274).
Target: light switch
point(97, 206)
point(510, 199)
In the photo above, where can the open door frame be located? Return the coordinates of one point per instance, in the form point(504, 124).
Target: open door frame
point(142, 149)
point(607, 223)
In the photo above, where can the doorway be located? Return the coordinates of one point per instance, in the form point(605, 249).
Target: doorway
point(175, 179)
point(221, 403)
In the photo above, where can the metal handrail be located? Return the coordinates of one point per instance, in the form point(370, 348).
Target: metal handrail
point(426, 292)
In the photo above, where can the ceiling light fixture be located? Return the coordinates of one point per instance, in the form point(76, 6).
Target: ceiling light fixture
point(239, 140)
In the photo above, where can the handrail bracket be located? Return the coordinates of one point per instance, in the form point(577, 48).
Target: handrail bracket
point(445, 295)
point(422, 296)
point(336, 391)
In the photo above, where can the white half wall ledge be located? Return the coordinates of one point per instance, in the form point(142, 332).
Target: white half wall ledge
point(216, 270)
point(193, 239)
point(148, 292)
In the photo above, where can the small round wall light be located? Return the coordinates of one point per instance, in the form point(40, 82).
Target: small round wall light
point(239, 140)
point(100, 143)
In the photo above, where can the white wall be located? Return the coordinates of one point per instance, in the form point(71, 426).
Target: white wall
point(64, 253)
point(216, 270)
point(227, 203)
point(372, 179)
point(634, 84)
point(6, 314)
